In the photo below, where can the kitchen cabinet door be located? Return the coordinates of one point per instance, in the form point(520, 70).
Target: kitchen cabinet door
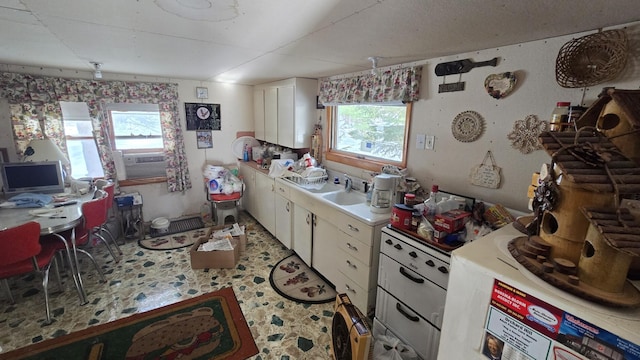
point(258, 113)
point(302, 233)
point(283, 215)
point(271, 115)
point(286, 116)
point(325, 246)
point(265, 199)
point(249, 195)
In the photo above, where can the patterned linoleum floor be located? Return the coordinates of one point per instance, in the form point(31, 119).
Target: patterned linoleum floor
point(146, 279)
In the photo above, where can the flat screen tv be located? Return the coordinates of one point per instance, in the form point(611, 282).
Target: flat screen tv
point(32, 177)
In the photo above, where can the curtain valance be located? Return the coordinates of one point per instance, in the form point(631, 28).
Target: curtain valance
point(392, 85)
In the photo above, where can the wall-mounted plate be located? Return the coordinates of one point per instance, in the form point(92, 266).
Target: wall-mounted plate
point(500, 85)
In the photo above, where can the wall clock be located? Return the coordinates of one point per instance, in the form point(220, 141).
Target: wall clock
point(202, 93)
point(201, 116)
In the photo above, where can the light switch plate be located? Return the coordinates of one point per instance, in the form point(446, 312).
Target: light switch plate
point(430, 142)
point(420, 140)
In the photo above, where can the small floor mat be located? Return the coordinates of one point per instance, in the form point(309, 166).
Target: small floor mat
point(175, 240)
point(294, 280)
point(178, 226)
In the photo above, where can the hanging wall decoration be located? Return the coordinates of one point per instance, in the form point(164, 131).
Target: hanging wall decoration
point(486, 174)
point(524, 136)
point(500, 85)
point(202, 116)
point(204, 139)
point(467, 126)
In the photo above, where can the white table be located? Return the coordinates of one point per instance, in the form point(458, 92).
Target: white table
point(68, 218)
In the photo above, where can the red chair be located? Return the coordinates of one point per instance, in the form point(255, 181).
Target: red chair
point(21, 253)
point(108, 187)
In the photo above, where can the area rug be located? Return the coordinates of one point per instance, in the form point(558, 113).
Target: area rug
point(294, 280)
point(174, 241)
point(178, 226)
point(209, 326)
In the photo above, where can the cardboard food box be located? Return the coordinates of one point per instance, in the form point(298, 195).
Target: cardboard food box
point(451, 221)
point(218, 259)
point(242, 239)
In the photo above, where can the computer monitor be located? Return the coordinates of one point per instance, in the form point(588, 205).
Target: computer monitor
point(34, 177)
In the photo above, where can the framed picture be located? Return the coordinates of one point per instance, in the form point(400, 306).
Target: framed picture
point(318, 103)
point(204, 138)
point(202, 93)
point(4, 155)
point(202, 116)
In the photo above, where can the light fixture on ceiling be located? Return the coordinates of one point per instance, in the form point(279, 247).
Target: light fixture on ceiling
point(97, 73)
point(374, 64)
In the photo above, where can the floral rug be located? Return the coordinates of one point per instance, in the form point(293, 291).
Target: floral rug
point(294, 280)
point(173, 241)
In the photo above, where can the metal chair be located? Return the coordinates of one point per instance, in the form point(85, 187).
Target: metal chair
point(21, 253)
point(108, 187)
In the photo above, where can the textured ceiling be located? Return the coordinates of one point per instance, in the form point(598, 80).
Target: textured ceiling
point(256, 41)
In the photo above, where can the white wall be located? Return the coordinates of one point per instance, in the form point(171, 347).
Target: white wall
point(448, 165)
point(536, 92)
point(236, 105)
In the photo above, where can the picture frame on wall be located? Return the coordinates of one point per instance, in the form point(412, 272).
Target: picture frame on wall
point(202, 116)
point(204, 139)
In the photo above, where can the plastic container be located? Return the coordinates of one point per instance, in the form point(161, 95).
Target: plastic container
point(430, 205)
point(410, 199)
point(559, 117)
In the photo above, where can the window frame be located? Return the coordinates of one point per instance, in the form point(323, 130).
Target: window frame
point(132, 107)
point(361, 161)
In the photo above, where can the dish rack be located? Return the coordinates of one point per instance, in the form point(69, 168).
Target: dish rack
point(312, 181)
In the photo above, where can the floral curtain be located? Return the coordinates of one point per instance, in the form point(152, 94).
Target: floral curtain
point(390, 85)
point(30, 96)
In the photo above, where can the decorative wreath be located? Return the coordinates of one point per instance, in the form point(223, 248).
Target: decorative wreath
point(592, 59)
point(467, 126)
point(524, 136)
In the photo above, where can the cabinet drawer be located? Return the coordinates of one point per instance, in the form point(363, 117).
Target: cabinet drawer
point(354, 269)
point(282, 189)
point(397, 317)
point(423, 263)
point(416, 292)
point(355, 228)
point(358, 295)
point(356, 249)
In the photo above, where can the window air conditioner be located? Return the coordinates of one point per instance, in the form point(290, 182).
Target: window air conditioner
point(144, 165)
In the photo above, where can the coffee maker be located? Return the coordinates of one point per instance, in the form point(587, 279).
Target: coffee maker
point(383, 195)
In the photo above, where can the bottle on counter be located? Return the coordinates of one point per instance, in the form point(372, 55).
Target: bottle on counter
point(431, 205)
point(559, 116)
point(245, 153)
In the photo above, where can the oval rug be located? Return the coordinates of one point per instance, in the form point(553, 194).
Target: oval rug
point(294, 280)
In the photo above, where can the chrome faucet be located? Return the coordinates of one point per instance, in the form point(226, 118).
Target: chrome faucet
point(347, 183)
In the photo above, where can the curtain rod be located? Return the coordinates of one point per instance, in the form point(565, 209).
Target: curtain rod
point(383, 68)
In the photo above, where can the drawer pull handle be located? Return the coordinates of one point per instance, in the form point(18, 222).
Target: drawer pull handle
point(351, 247)
point(308, 219)
point(352, 265)
point(430, 263)
point(288, 203)
point(413, 254)
point(408, 316)
point(398, 246)
point(350, 289)
point(410, 277)
point(353, 228)
point(443, 270)
point(281, 189)
point(389, 242)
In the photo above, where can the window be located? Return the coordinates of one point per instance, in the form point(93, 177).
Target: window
point(368, 136)
point(81, 146)
point(135, 127)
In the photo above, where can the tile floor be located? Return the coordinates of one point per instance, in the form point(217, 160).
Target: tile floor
point(146, 279)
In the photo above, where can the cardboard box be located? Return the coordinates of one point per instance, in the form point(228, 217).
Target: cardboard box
point(451, 221)
point(219, 259)
point(242, 238)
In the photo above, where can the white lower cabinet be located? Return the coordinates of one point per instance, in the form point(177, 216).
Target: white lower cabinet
point(302, 233)
point(265, 199)
point(283, 220)
point(325, 237)
point(248, 201)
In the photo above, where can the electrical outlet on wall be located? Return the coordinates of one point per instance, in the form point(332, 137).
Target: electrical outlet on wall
point(430, 142)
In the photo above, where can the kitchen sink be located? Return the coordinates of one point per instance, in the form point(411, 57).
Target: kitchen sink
point(344, 198)
point(326, 188)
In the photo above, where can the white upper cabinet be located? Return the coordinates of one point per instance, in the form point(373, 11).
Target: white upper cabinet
point(288, 112)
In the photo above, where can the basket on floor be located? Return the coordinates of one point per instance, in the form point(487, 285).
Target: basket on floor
point(592, 59)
